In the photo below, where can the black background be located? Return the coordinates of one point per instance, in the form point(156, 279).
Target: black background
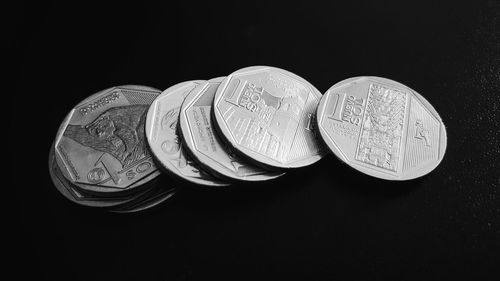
point(323, 222)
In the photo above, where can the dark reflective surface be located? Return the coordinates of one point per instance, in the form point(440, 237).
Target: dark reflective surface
point(324, 222)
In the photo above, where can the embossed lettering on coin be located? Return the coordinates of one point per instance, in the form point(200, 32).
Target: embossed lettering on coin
point(382, 128)
point(205, 144)
point(162, 135)
point(266, 113)
point(104, 139)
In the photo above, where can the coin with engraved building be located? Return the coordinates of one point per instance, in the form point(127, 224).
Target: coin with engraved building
point(206, 146)
point(267, 114)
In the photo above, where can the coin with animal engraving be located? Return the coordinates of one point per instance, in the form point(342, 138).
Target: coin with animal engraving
point(164, 141)
point(205, 145)
point(101, 146)
point(267, 114)
point(381, 128)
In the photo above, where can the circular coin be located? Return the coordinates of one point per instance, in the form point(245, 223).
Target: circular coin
point(381, 128)
point(164, 142)
point(205, 145)
point(267, 114)
point(101, 146)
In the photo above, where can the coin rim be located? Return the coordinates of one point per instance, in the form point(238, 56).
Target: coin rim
point(155, 148)
point(264, 161)
point(204, 160)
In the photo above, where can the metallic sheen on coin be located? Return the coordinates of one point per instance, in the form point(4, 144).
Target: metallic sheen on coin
point(163, 139)
point(267, 114)
point(381, 128)
point(205, 145)
point(101, 146)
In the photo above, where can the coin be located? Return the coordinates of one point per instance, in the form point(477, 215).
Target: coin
point(101, 146)
point(163, 139)
point(381, 128)
point(205, 145)
point(267, 114)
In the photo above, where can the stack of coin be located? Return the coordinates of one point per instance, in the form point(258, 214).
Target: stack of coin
point(251, 125)
point(100, 156)
point(248, 126)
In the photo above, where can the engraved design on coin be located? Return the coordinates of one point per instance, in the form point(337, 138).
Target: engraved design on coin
point(73, 192)
point(270, 133)
point(171, 146)
point(118, 131)
point(164, 141)
point(266, 114)
point(96, 175)
point(205, 144)
point(104, 140)
point(100, 102)
point(382, 128)
point(421, 133)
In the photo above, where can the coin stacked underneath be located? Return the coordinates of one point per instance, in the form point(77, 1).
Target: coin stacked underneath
point(253, 125)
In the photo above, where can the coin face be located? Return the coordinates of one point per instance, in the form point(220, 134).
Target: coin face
point(205, 145)
point(382, 128)
point(101, 146)
point(267, 114)
point(164, 141)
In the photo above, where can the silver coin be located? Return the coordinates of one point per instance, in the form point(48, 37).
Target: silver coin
point(164, 142)
point(267, 114)
point(381, 128)
point(101, 145)
point(205, 145)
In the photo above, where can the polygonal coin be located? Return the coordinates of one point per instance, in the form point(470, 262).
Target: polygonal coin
point(164, 142)
point(267, 114)
point(101, 146)
point(381, 128)
point(205, 145)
